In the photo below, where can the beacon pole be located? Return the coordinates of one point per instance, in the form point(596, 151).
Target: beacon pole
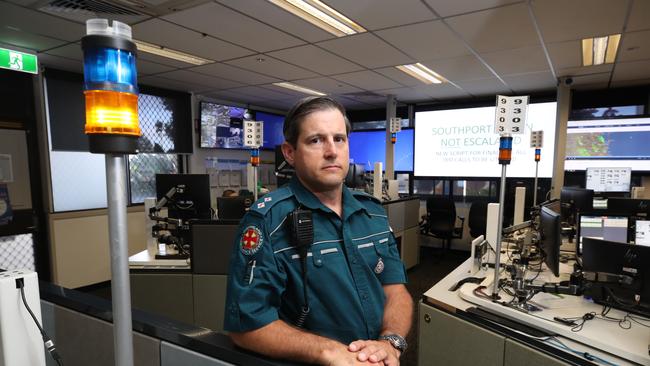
point(538, 156)
point(505, 156)
point(255, 163)
point(111, 95)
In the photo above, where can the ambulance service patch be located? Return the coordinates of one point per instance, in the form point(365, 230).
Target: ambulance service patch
point(251, 240)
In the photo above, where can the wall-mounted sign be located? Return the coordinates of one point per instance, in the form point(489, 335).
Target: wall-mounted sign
point(18, 61)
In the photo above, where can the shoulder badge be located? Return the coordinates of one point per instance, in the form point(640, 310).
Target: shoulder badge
point(251, 240)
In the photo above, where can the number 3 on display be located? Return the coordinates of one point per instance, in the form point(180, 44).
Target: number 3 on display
point(511, 114)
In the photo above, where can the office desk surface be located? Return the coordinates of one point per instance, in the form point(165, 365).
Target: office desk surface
point(599, 337)
point(146, 259)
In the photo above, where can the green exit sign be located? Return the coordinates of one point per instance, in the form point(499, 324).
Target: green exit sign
point(19, 61)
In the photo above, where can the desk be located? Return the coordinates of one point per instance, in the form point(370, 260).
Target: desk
point(449, 335)
point(403, 216)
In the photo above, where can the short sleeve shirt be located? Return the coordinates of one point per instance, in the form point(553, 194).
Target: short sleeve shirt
point(349, 261)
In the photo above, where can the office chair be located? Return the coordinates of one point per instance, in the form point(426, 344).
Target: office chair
point(477, 218)
point(440, 220)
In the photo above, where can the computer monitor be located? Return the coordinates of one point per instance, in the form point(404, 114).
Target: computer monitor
point(194, 200)
point(608, 179)
point(233, 208)
point(612, 258)
point(212, 243)
point(631, 206)
point(550, 238)
point(356, 176)
point(642, 233)
point(575, 200)
point(608, 227)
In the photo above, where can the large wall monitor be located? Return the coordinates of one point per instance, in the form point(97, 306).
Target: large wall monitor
point(619, 142)
point(462, 143)
point(609, 179)
point(222, 125)
point(368, 147)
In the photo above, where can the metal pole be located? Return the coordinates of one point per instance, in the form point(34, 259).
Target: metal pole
point(255, 181)
point(535, 186)
point(119, 246)
point(497, 261)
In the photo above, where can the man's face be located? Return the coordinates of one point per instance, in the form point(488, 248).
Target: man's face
point(321, 156)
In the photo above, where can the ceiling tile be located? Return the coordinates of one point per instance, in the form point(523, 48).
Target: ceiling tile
point(31, 21)
point(289, 92)
point(639, 16)
point(367, 50)
point(376, 14)
point(316, 59)
point(28, 41)
point(200, 79)
point(367, 80)
point(399, 76)
point(61, 63)
point(408, 95)
point(162, 60)
point(446, 8)
point(565, 54)
point(631, 70)
point(496, 29)
point(234, 97)
point(277, 17)
point(71, 51)
point(147, 68)
point(446, 91)
point(530, 82)
point(585, 80)
point(517, 61)
point(624, 83)
point(234, 73)
point(224, 23)
point(162, 82)
point(459, 68)
point(272, 67)
point(425, 41)
point(178, 38)
point(328, 85)
point(491, 86)
point(561, 20)
point(260, 92)
point(634, 46)
point(575, 71)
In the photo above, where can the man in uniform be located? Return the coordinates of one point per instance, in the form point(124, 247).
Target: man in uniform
point(349, 305)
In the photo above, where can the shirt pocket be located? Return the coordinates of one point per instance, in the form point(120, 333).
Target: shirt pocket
point(322, 255)
point(374, 253)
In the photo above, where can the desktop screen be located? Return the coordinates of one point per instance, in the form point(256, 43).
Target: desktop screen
point(611, 228)
point(608, 179)
point(642, 235)
point(368, 147)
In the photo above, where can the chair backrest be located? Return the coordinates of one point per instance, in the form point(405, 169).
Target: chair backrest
point(441, 215)
point(477, 218)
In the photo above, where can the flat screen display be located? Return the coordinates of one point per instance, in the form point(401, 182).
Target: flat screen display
point(642, 236)
point(609, 179)
point(612, 228)
point(222, 126)
point(273, 123)
point(368, 147)
point(620, 142)
point(463, 143)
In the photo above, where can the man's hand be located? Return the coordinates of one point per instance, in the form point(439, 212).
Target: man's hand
point(343, 356)
point(375, 351)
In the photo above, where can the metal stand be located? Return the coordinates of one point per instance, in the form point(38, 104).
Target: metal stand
point(255, 179)
point(117, 234)
point(535, 184)
point(497, 261)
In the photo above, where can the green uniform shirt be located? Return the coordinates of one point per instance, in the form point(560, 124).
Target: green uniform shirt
point(349, 261)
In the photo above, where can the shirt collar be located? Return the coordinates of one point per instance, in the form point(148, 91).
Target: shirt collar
point(307, 199)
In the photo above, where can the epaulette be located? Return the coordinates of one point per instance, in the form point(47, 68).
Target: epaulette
point(364, 195)
point(264, 204)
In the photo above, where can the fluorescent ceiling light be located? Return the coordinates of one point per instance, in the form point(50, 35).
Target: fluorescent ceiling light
point(600, 50)
point(169, 53)
point(422, 73)
point(321, 15)
point(299, 88)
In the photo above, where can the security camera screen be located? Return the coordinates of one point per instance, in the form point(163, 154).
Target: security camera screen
point(222, 126)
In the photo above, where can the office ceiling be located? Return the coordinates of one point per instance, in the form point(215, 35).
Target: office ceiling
point(483, 47)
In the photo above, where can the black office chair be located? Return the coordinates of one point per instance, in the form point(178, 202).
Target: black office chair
point(477, 218)
point(440, 220)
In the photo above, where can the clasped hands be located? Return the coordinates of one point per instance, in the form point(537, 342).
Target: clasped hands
point(366, 352)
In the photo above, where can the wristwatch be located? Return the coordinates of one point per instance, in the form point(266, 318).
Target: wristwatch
point(395, 340)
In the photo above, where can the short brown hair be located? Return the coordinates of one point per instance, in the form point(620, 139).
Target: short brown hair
point(304, 108)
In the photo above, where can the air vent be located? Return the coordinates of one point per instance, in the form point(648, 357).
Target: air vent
point(89, 7)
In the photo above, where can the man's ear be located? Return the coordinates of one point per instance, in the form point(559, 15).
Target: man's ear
point(288, 151)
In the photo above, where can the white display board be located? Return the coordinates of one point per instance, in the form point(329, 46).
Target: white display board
point(463, 143)
point(609, 179)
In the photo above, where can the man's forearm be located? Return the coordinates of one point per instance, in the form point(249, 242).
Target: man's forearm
point(398, 310)
point(280, 340)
